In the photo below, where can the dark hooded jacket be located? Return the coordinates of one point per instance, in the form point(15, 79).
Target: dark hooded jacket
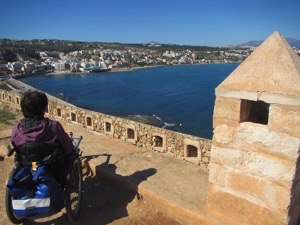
point(43, 131)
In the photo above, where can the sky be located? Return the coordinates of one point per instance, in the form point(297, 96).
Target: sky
point(184, 22)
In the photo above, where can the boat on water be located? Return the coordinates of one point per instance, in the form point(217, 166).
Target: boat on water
point(99, 70)
point(94, 69)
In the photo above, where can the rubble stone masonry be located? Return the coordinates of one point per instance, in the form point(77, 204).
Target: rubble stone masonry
point(139, 134)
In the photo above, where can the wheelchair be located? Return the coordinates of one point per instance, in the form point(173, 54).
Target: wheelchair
point(70, 182)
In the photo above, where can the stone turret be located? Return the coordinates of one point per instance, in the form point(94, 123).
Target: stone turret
point(255, 166)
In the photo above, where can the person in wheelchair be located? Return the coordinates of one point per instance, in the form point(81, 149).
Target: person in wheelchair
point(34, 127)
point(42, 151)
point(47, 174)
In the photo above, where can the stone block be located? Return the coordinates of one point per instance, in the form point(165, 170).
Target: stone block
point(245, 184)
point(208, 154)
point(280, 99)
point(242, 210)
point(273, 168)
point(205, 159)
point(219, 121)
point(276, 142)
point(217, 174)
point(278, 197)
point(225, 156)
point(285, 119)
point(223, 134)
point(222, 92)
point(227, 108)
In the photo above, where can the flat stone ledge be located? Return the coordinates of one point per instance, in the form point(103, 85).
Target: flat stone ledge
point(221, 92)
point(280, 99)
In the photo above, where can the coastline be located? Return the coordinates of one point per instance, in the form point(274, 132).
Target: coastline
point(127, 69)
point(113, 70)
point(136, 106)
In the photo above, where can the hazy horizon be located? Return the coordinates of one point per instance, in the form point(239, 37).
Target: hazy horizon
point(197, 23)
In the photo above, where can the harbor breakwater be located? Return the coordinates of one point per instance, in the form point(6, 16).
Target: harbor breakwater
point(182, 146)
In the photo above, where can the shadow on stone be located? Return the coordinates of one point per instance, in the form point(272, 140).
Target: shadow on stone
point(105, 198)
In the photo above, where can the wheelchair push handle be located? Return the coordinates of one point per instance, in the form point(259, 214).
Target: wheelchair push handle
point(76, 141)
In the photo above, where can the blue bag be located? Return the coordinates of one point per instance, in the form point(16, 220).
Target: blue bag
point(36, 195)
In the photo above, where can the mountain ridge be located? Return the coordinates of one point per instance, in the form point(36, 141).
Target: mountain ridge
point(292, 41)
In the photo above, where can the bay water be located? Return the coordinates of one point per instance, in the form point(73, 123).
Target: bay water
point(179, 98)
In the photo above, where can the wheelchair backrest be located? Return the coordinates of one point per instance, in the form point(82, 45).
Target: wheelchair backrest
point(37, 152)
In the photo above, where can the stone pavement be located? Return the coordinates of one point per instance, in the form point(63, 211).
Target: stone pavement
point(177, 188)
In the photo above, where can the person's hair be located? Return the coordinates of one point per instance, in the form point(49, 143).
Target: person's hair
point(33, 104)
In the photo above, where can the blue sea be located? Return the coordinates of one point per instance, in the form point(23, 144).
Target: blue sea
point(179, 98)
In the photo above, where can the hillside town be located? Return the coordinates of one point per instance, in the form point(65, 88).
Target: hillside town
point(102, 58)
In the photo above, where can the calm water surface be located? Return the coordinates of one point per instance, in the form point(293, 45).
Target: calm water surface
point(179, 98)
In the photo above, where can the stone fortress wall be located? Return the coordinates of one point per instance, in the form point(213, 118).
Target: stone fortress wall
point(187, 147)
point(254, 170)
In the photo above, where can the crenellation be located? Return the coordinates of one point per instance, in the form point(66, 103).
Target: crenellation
point(254, 166)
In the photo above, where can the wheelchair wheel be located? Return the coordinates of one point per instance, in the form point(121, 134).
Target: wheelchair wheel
point(8, 204)
point(73, 191)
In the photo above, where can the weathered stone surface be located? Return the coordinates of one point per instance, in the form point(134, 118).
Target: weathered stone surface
point(269, 166)
point(228, 108)
point(219, 121)
point(242, 210)
point(278, 197)
point(208, 154)
point(245, 184)
point(285, 119)
point(260, 190)
point(225, 156)
point(280, 99)
point(143, 133)
point(223, 134)
point(276, 142)
point(221, 92)
point(217, 174)
point(252, 165)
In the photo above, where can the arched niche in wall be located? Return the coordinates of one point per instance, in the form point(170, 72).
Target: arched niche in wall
point(192, 151)
point(89, 122)
point(73, 116)
point(18, 100)
point(131, 134)
point(58, 112)
point(159, 142)
point(108, 127)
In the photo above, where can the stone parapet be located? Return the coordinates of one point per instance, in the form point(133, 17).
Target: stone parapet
point(165, 141)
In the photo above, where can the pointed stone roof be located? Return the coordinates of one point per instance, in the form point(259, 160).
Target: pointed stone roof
point(273, 68)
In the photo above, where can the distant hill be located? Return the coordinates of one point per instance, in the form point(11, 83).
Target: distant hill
point(293, 42)
point(22, 50)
